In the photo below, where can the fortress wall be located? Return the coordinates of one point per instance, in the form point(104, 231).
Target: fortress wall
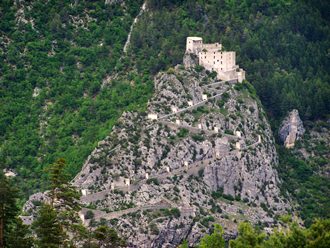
point(223, 61)
point(213, 58)
point(214, 46)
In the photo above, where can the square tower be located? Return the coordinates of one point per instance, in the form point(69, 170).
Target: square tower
point(194, 45)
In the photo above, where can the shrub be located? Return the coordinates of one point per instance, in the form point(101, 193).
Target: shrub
point(89, 215)
point(183, 133)
point(197, 137)
point(153, 181)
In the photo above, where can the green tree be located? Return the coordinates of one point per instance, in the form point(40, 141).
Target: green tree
point(214, 240)
point(8, 208)
point(108, 237)
point(318, 235)
point(21, 236)
point(13, 232)
point(184, 244)
point(65, 201)
point(61, 190)
point(49, 232)
point(248, 237)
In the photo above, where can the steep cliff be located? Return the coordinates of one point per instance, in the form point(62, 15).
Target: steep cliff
point(291, 129)
point(208, 157)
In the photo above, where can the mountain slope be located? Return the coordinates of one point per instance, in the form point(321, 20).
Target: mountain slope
point(168, 178)
point(54, 57)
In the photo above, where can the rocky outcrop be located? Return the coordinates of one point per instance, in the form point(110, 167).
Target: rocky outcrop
point(208, 157)
point(190, 60)
point(31, 207)
point(291, 129)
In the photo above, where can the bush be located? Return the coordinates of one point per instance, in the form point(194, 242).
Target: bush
point(153, 229)
point(183, 133)
point(197, 137)
point(153, 181)
point(89, 215)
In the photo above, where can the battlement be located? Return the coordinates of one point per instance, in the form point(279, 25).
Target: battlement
point(214, 46)
point(213, 58)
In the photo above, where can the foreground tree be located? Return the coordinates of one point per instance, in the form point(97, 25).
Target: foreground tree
point(214, 240)
point(108, 237)
point(58, 219)
point(248, 237)
point(8, 208)
point(12, 231)
point(21, 236)
point(49, 232)
point(290, 236)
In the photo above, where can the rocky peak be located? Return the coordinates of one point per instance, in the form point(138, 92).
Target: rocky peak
point(206, 155)
point(291, 129)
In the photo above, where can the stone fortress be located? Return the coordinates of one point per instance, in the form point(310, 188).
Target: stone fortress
point(213, 58)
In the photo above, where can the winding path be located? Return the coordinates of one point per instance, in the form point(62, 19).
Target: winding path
point(191, 169)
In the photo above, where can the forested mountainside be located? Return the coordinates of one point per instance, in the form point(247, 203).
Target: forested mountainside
point(54, 58)
point(65, 80)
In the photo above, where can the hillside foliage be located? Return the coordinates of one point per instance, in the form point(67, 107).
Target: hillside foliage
point(61, 56)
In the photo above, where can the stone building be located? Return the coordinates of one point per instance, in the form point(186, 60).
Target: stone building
point(213, 58)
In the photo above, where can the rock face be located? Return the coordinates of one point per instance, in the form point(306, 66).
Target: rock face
point(208, 157)
point(190, 60)
point(291, 129)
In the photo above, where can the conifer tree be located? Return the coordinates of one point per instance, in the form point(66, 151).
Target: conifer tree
point(8, 208)
point(108, 237)
point(48, 229)
point(21, 236)
point(65, 205)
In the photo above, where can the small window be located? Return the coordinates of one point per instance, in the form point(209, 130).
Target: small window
point(218, 60)
point(214, 57)
point(205, 56)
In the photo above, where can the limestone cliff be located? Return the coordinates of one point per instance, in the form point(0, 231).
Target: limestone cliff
point(208, 157)
point(292, 129)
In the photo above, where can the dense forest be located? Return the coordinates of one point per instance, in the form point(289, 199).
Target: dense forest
point(64, 79)
point(52, 66)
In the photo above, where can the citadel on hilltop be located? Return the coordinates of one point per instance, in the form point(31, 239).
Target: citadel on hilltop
point(213, 58)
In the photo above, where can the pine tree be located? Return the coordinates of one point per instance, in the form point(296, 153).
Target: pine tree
point(61, 190)
point(65, 202)
point(108, 237)
point(48, 229)
point(8, 208)
point(20, 236)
